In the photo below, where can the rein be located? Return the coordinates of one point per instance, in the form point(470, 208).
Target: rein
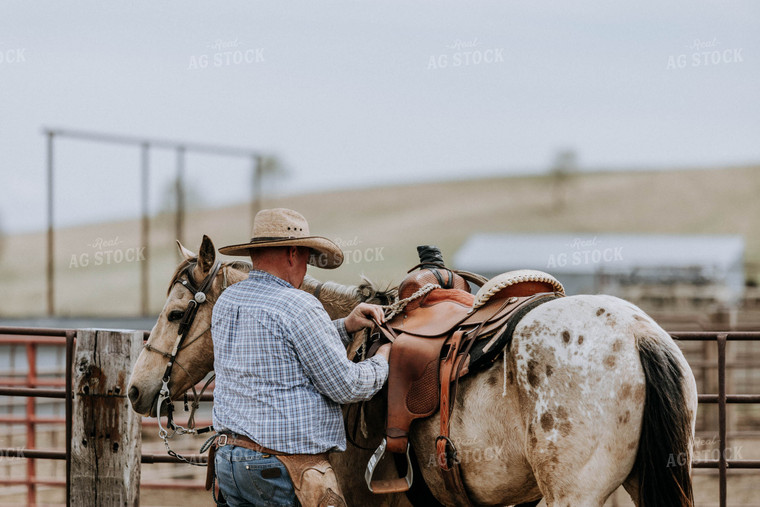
point(200, 296)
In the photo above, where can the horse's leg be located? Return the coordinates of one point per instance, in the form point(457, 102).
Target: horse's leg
point(581, 390)
point(631, 485)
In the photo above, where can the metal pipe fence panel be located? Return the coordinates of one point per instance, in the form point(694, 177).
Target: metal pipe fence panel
point(35, 388)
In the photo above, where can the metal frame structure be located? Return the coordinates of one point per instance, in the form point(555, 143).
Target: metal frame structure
point(30, 337)
point(145, 144)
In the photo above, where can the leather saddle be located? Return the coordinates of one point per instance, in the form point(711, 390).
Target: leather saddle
point(439, 337)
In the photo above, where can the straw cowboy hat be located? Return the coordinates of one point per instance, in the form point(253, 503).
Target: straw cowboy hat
point(285, 227)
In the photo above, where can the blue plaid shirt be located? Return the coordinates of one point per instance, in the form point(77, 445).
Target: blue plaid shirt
point(281, 367)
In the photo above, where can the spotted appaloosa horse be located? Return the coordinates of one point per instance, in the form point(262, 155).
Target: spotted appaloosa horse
point(592, 394)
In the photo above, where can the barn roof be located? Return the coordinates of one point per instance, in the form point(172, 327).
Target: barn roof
point(588, 253)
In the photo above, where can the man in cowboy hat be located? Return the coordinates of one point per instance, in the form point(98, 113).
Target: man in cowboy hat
point(282, 371)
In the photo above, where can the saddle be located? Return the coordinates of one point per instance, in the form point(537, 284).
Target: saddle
point(442, 334)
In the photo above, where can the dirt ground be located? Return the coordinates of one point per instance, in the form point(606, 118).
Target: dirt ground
point(742, 484)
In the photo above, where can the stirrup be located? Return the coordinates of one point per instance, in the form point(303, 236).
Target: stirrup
point(384, 486)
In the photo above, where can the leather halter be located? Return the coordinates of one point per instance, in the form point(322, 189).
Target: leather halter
point(200, 295)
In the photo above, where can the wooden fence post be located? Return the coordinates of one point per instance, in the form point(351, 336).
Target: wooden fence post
point(106, 436)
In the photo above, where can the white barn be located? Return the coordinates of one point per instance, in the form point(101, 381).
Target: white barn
point(589, 263)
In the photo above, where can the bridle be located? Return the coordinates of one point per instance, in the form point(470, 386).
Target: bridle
point(200, 296)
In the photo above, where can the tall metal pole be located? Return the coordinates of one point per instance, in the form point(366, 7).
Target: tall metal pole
point(255, 186)
point(50, 238)
point(144, 231)
point(180, 218)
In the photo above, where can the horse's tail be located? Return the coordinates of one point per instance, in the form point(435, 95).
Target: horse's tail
point(663, 461)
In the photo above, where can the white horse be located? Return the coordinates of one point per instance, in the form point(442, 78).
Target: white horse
point(592, 394)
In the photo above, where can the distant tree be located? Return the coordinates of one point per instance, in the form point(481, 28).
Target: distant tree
point(271, 169)
point(192, 197)
point(565, 165)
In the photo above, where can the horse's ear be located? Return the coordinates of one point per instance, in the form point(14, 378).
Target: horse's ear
point(187, 254)
point(206, 255)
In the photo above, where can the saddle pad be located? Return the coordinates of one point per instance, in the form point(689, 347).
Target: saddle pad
point(487, 349)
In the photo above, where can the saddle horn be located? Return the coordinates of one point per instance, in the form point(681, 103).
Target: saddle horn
point(431, 269)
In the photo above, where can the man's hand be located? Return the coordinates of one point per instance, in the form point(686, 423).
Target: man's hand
point(363, 316)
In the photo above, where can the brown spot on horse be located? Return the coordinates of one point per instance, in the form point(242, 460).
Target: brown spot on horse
point(623, 419)
point(599, 312)
point(529, 330)
point(617, 346)
point(609, 362)
point(549, 370)
point(533, 379)
point(547, 421)
point(565, 428)
point(566, 336)
point(625, 391)
point(580, 340)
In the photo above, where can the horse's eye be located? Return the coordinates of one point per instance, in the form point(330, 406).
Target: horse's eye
point(175, 315)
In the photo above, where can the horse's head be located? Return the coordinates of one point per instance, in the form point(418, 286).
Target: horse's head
point(184, 314)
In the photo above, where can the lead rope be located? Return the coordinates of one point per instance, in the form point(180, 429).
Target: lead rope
point(205, 447)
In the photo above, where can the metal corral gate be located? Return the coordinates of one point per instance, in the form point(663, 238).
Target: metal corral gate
point(30, 338)
point(33, 336)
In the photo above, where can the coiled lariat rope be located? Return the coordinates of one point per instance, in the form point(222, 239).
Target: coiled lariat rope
point(398, 306)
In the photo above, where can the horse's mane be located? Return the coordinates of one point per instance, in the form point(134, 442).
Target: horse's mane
point(238, 265)
point(349, 294)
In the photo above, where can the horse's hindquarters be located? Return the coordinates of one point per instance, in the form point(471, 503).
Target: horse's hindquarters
point(568, 428)
point(581, 390)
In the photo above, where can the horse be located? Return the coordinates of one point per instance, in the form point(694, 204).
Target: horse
point(592, 394)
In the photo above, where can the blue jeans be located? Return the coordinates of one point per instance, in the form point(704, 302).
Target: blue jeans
point(249, 478)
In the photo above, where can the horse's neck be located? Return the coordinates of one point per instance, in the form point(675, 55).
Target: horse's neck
point(231, 274)
point(337, 299)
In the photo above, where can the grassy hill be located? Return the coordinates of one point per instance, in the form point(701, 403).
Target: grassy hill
point(379, 229)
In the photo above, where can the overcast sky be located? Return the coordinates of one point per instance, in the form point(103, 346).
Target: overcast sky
point(358, 93)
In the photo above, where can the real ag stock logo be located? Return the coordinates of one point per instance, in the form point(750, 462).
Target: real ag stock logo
point(465, 53)
point(584, 252)
point(226, 53)
point(705, 54)
point(107, 252)
point(12, 56)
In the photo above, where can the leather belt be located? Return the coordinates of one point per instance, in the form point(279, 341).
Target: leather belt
point(229, 438)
